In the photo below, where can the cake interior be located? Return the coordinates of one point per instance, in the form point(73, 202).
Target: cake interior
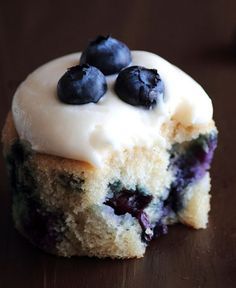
point(189, 162)
point(48, 225)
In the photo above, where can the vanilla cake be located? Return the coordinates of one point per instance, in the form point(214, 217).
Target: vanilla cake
point(105, 149)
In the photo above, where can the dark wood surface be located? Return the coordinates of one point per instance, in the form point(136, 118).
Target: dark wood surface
point(200, 37)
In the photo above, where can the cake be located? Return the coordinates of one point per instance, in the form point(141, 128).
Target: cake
point(107, 148)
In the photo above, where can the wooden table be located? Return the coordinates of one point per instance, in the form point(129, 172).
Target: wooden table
point(196, 36)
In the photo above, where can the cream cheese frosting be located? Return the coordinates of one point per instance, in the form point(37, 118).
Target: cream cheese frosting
point(90, 132)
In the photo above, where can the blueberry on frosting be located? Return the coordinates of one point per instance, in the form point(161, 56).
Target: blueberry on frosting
point(107, 54)
point(81, 84)
point(139, 86)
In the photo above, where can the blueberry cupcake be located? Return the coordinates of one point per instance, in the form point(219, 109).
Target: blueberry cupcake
point(107, 148)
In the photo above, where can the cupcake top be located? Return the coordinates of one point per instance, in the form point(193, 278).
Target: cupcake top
point(111, 99)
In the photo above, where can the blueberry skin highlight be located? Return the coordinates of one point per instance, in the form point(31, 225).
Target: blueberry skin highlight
point(107, 54)
point(139, 86)
point(81, 84)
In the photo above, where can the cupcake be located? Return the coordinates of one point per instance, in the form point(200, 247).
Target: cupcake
point(107, 148)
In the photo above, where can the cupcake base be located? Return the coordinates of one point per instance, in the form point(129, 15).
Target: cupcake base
point(68, 207)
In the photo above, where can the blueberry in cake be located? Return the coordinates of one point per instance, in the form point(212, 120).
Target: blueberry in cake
point(107, 148)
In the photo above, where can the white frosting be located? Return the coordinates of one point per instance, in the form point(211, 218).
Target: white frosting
point(91, 132)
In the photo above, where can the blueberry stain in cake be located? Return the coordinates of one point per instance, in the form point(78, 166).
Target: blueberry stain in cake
point(107, 54)
point(160, 229)
point(70, 182)
point(189, 163)
point(20, 153)
point(81, 84)
point(139, 86)
point(43, 227)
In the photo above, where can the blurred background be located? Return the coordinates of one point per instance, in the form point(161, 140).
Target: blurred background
point(199, 36)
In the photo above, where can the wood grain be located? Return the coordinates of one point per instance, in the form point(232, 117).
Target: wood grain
point(195, 35)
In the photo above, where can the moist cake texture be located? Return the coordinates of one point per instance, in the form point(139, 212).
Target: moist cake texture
point(106, 177)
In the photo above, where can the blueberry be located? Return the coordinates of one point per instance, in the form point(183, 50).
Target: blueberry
point(133, 202)
point(81, 84)
point(139, 86)
point(129, 201)
point(107, 54)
